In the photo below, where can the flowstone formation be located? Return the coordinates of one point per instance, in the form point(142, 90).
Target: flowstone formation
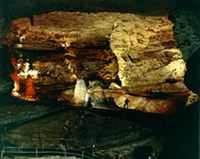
point(134, 56)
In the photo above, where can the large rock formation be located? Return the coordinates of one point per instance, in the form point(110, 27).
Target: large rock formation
point(147, 54)
point(58, 48)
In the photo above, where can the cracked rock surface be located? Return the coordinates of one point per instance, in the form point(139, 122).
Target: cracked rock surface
point(136, 51)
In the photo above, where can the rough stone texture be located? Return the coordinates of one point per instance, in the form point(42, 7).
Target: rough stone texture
point(186, 34)
point(139, 51)
point(156, 103)
point(81, 50)
point(14, 9)
point(75, 47)
point(186, 31)
point(147, 53)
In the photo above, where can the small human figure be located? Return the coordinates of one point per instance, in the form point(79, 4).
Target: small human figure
point(126, 103)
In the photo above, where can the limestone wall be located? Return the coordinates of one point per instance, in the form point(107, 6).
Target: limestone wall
point(139, 51)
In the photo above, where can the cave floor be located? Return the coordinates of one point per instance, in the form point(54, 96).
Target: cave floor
point(100, 132)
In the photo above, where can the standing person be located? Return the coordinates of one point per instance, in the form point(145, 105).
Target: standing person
point(126, 103)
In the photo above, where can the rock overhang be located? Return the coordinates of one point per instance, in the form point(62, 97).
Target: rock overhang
point(138, 50)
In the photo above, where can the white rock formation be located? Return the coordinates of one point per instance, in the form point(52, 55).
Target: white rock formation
point(80, 92)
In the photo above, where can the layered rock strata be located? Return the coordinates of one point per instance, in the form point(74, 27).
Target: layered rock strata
point(139, 51)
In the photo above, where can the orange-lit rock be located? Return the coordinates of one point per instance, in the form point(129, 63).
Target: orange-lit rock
point(137, 50)
point(16, 88)
point(30, 88)
point(15, 78)
point(157, 103)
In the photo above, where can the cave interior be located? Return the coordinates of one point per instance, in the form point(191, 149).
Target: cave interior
point(100, 78)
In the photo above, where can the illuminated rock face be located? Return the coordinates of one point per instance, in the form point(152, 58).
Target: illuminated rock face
point(96, 95)
point(80, 92)
point(147, 55)
point(139, 51)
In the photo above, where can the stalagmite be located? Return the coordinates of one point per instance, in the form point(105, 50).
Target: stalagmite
point(80, 92)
